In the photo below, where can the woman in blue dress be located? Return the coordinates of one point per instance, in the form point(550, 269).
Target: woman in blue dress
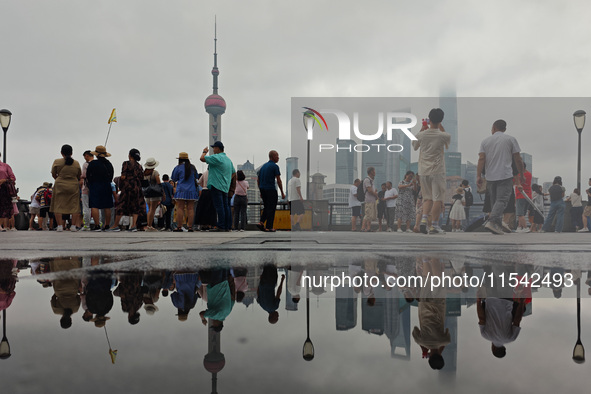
point(185, 174)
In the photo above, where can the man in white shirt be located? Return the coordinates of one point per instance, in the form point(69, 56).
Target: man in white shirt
point(433, 141)
point(355, 205)
point(499, 319)
point(296, 201)
point(390, 197)
point(496, 156)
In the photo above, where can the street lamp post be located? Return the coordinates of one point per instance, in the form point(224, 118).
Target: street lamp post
point(579, 350)
point(308, 350)
point(579, 118)
point(309, 125)
point(4, 345)
point(5, 116)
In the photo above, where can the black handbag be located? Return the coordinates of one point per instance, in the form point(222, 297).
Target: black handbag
point(152, 189)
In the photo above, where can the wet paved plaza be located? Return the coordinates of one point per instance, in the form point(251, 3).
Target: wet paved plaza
point(254, 312)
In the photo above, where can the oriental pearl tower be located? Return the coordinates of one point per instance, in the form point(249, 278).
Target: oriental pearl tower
point(215, 105)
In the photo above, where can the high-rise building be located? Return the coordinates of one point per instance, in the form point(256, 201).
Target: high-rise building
point(448, 102)
point(528, 161)
point(470, 174)
point(215, 105)
point(252, 212)
point(453, 163)
point(346, 162)
point(376, 159)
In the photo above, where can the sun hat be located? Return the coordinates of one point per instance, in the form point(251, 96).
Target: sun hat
point(183, 155)
point(151, 163)
point(100, 151)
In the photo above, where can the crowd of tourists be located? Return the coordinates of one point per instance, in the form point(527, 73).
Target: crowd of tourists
point(510, 198)
point(90, 197)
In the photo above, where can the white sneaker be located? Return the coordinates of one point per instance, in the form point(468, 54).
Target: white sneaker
point(583, 230)
point(505, 227)
point(85, 228)
point(59, 229)
point(389, 230)
point(436, 230)
point(73, 228)
point(409, 231)
point(399, 230)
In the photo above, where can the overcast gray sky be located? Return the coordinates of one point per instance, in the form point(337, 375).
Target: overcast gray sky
point(66, 64)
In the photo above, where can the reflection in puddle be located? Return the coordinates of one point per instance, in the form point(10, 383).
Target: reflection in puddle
point(152, 319)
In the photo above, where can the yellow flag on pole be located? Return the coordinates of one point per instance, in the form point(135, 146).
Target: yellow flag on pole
point(113, 117)
point(113, 354)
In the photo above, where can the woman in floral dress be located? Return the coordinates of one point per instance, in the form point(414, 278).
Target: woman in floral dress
point(405, 204)
point(131, 200)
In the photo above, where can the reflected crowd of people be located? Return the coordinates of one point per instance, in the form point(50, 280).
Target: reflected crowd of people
point(90, 286)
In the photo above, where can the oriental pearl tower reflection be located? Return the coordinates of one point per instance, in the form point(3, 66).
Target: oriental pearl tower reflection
point(214, 361)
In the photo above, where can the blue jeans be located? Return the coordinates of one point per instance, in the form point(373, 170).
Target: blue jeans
point(222, 208)
point(556, 209)
point(500, 194)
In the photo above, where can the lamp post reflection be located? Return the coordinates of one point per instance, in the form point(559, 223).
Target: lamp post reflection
point(4, 345)
point(308, 350)
point(579, 350)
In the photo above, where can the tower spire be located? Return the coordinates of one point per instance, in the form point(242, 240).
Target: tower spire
point(215, 72)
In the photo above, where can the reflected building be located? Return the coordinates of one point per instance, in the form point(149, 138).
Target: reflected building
point(397, 324)
point(345, 308)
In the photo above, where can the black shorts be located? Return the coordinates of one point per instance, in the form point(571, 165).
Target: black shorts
point(44, 211)
point(296, 207)
point(356, 211)
point(538, 219)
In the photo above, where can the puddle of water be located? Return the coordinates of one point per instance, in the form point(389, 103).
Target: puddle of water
point(249, 328)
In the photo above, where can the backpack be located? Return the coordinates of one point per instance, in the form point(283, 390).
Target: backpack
point(468, 197)
point(47, 194)
point(361, 192)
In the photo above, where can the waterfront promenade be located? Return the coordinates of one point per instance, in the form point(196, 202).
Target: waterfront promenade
point(550, 249)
